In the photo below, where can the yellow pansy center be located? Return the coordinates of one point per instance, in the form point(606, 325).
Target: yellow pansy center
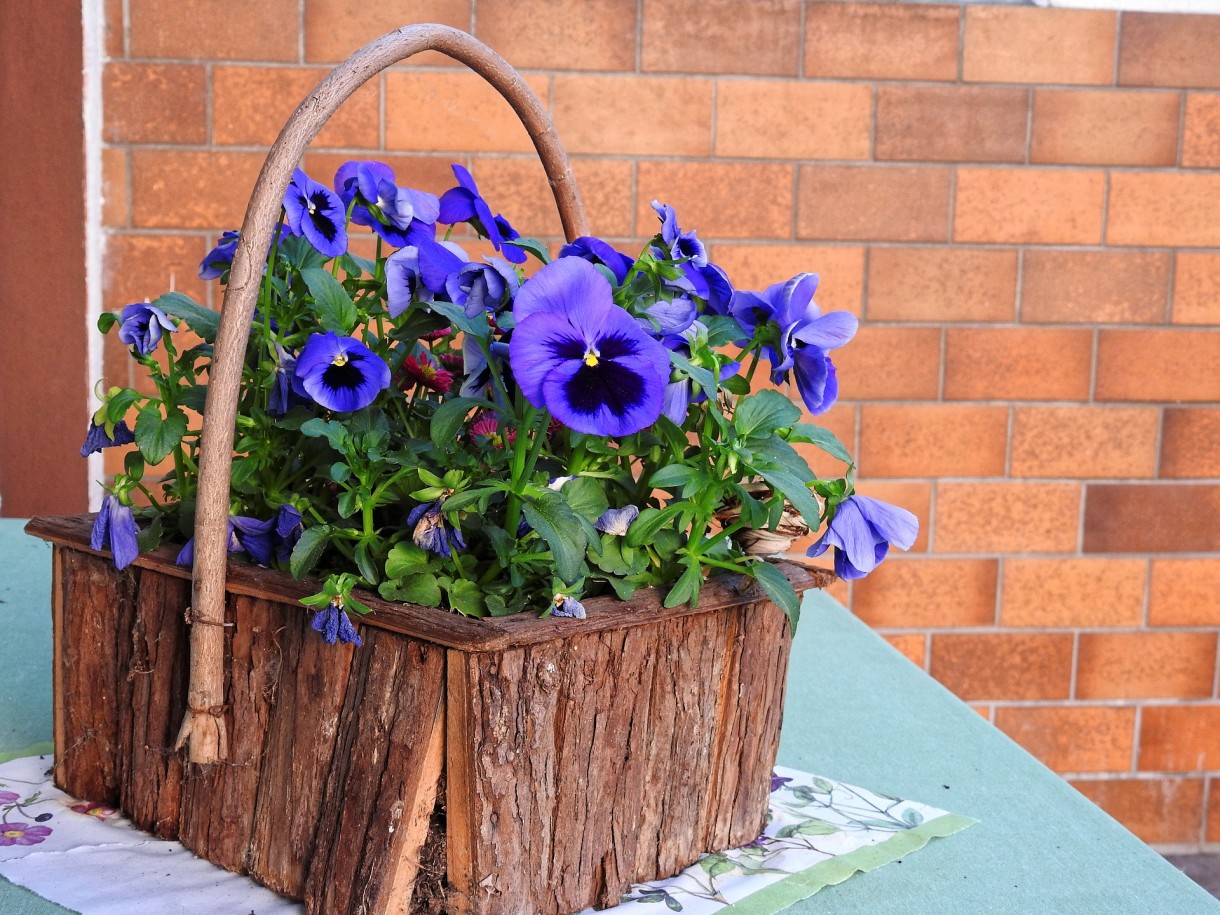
point(13, 833)
point(340, 359)
point(592, 356)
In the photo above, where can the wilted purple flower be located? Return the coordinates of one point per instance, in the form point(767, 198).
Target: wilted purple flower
point(141, 325)
point(115, 527)
point(464, 204)
point(335, 625)
point(861, 532)
point(283, 394)
point(341, 373)
point(400, 215)
point(482, 287)
point(315, 211)
point(567, 606)
point(96, 438)
point(804, 335)
point(596, 251)
point(22, 833)
point(431, 530)
point(287, 530)
point(476, 369)
point(617, 520)
point(575, 352)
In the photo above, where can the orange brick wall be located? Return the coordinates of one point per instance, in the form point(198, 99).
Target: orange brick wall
point(1022, 204)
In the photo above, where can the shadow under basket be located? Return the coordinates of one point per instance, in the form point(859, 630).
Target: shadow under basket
point(450, 765)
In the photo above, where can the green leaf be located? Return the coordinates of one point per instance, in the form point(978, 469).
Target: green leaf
point(763, 413)
point(193, 397)
point(203, 321)
point(532, 246)
point(468, 498)
point(348, 504)
point(308, 550)
point(587, 497)
point(336, 311)
point(736, 384)
point(106, 321)
point(778, 452)
point(449, 418)
point(133, 465)
point(795, 492)
point(779, 589)
point(717, 864)
point(558, 525)
point(476, 326)
point(364, 562)
point(467, 598)
point(826, 440)
point(421, 588)
point(686, 589)
point(405, 559)
point(702, 378)
point(118, 405)
point(339, 472)
point(644, 528)
point(332, 430)
point(149, 538)
point(157, 435)
point(672, 476)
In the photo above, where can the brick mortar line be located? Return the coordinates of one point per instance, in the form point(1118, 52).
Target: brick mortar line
point(1118, 46)
point(1085, 705)
point(639, 36)
point(1207, 796)
point(1029, 126)
point(961, 45)
point(1181, 127)
point(126, 27)
point(802, 37)
point(1216, 675)
point(1137, 731)
point(301, 30)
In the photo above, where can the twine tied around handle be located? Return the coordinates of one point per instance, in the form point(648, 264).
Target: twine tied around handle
point(203, 731)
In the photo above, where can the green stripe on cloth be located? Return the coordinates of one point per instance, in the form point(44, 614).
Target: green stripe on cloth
point(791, 890)
point(46, 748)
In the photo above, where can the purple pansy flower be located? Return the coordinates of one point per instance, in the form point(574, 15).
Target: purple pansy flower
point(464, 204)
point(861, 532)
point(115, 528)
point(403, 283)
point(617, 520)
point(141, 325)
point(335, 625)
point(315, 211)
point(284, 395)
point(400, 215)
point(778, 781)
point(287, 529)
point(341, 373)
point(804, 336)
point(596, 251)
point(567, 606)
point(431, 530)
point(680, 244)
point(680, 392)
point(482, 287)
point(217, 261)
point(581, 356)
point(96, 438)
point(719, 289)
point(22, 834)
point(437, 262)
point(249, 535)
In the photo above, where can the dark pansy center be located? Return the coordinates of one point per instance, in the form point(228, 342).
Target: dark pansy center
point(607, 384)
point(345, 375)
point(318, 205)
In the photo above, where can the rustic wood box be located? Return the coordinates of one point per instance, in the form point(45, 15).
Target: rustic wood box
point(450, 765)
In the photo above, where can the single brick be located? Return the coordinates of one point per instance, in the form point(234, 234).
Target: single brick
point(1003, 665)
point(951, 123)
point(634, 115)
point(921, 593)
point(719, 36)
point(1190, 443)
point(154, 103)
point(890, 363)
point(453, 111)
point(1201, 134)
point(1084, 441)
point(1196, 288)
point(1009, 44)
point(1167, 209)
point(840, 269)
point(336, 28)
point(719, 199)
point(1028, 206)
point(1017, 363)
point(115, 210)
point(913, 647)
point(791, 119)
point(920, 42)
point(1180, 738)
point(941, 284)
point(1105, 127)
point(1159, 50)
point(251, 104)
point(1158, 365)
point(1068, 593)
point(1162, 811)
point(209, 30)
point(1146, 665)
point(191, 190)
point(932, 440)
point(1073, 739)
point(1151, 518)
point(1094, 287)
point(1183, 592)
point(140, 267)
point(873, 203)
point(1006, 518)
point(562, 34)
point(913, 495)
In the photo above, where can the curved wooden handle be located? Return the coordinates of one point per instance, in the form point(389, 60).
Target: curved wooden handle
point(204, 727)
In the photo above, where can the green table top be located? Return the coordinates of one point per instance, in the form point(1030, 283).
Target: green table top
point(857, 711)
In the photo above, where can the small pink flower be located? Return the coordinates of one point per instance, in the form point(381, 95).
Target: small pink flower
point(101, 811)
point(22, 834)
point(428, 374)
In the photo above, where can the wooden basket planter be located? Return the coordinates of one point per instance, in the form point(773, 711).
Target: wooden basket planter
point(450, 765)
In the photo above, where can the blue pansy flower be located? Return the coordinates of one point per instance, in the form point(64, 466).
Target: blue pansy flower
point(596, 251)
point(476, 369)
point(218, 261)
point(141, 326)
point(335, 625)
point(719, 289)
point(246, 535)
point(400, 215)
point(804, 335)
point(567, 606)
point(96, 438)
point(315, 211)
point(482, 287)
point(115, 528)
point(581, 356)
point(464, 204)
point(340, 373)
point(403, 283)
point(679, 244)
point(284, 395)
point(680, 391)
point(616, 520)
point(437, 262)
point(287, 530)
point(861, 532)
point(431, 530)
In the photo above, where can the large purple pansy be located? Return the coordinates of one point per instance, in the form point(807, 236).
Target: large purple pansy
point(341, 373)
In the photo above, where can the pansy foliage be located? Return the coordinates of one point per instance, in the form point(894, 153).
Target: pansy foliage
point(450, 424)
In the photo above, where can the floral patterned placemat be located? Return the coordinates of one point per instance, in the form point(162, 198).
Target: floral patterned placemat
point(84, 856)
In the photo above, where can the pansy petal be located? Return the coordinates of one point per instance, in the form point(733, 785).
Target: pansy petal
point(813, 370)
point(859, 541)
point(570, 287)
point(538, 348)
point(897, 525)
point(831, 330)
